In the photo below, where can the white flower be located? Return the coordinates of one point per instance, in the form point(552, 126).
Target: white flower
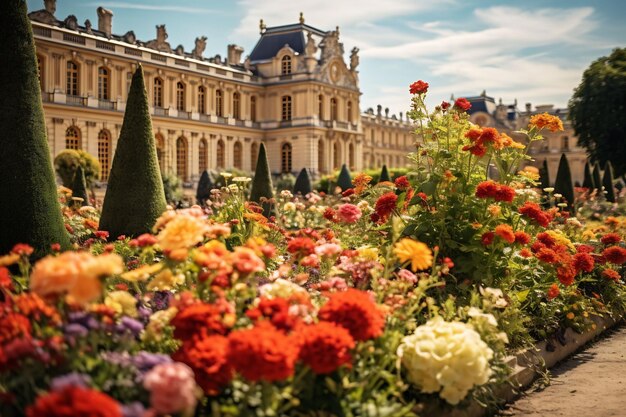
point(226, 174)
point(289, 206)
point(446, 357)
point(548, 189)
point(286, 194)
point(281, 288)
point(477, 313)
point(242, 179)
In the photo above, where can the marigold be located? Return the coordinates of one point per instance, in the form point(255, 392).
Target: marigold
point(199, 318)
point(487, 238)
point(74, 401)
point(402, 182)
point(385, 205)
point(418, 87)
point(12, 326)
point(324, 347)
point(611, 274)
point(418, 253)
point(615, 255)
point(505, 232)
point(534, 212)
point(583, 262)
point(611, 239)
point(522, 238)
point(552, 123)
point(276, 310)
point(301, 246)
point(355, 311)
point(207, 356)
point(553, 291)
point(566, 274)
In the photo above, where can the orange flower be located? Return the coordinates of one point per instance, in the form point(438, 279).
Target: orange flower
point(360, 182)
point(505, 232)
point(552, 123)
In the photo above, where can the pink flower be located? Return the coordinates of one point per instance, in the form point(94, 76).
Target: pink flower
point(349, 213)
point(172, 388)
point(246, 261)
point(407, 276)
point(328, 249)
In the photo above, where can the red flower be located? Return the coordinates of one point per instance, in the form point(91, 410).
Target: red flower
point(146, 239)
point(74, 401)
point(197, 318)
point(402, 182)
point(566, 274)
point(102, 234)
point(486, 189)
point(277, 311)
point(55, 247)
point(522, 238)
point(355, 311)
point(534, 212)
point(553, 292)
point(547, 255)
point(583, 262)
point(611, 239)
point(22, 249)
point(208, 358)
point(385, 205)
point(5, 279)
point(301, 246)
point(324, 347)
point(418, 87)
point(525, 253)
point(505, 232)
point(444, 105)
point(615, 255)
point(477, 149)
point(348, 192)
point(262, 353)
point(13, 326)
point(611, 274)
point(505, 193)
point(487, 238)
point(584, 249)
point(329, 214)
point(462, 104)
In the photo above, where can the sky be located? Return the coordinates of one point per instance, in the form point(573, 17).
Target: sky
point(530, 51)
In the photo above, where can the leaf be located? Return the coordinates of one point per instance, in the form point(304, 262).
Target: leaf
point(522, 295)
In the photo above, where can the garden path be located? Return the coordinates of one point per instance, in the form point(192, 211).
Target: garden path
point(591, 383)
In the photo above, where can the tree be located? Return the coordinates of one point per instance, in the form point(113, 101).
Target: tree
point(172, 187)
point(303, 183)
point(588, 181)
point(384, 175)
point(344, 181)
point(29, 208)
point(203, 193)
point(597, 181)
point(79, 187)
point(262, 187)
point(597, 110)
point(607, 183)
point(135, 197)
point(68, 160)
point(563, 183)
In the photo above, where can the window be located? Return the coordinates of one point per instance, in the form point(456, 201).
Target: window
point(104, 152)
point(221, 154)
point(254, 155)
point(236, 108)
point(286, 65)
point(320, 107)
point(72, 138)
point(72, 79)
point(333, 109)
point(349, 111)
point(253, 108)
point(285, 158)
point(565, 143)
point(286, 111)
point(320, 156)
point(201, 100)
point(238, 155)
point(103, 83)
point(40, 71)
point(219, 103)
point(160, 148)
point(180, 96)
point(351, 156)
point(203, 156)
point(336, 156)
point(157, 92)
point(181, 158)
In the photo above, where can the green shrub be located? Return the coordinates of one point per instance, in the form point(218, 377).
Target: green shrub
point(79, 187)
point(607, 182)
point(588, 181)
point(285, 182)
point(563, 184)
point(384, 175)
point(68, 160)
point(344, 181)
point(262, 187)
point(205, 185)
point(303, 183)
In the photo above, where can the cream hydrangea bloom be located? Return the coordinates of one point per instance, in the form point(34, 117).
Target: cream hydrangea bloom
point(446, 357)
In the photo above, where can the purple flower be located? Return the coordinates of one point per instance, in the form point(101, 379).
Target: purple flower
point(72, 379)
point(144, 361)
point(84, 319)
point(75, 330)
point(134, 409)
point(161, 300)
point(130, 325)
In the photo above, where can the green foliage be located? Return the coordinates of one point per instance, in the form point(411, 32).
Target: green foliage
point(29, 211)
point(384, 175)
point(172, 187)
point(303, 183)
point(286, 181)
point(597, 110)
point(79, 187)
point(597, 177)
point(607, 183)
point(344, 181)
point(563, 184)
point(588, 181)
point(68, 160)
point(262, 182)
point(205, 185)
point(135, 196)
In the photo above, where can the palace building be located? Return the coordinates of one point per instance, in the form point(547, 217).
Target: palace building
point(295, 92)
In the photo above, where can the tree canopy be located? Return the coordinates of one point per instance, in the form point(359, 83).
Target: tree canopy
point(597, 111)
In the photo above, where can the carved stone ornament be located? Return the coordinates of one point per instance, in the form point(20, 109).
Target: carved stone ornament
point(160, 43)
point(45, 15)
point(71, 22)
point(310, 49)
point(180, 50)
point(354, 59)
point(330, 45)
point(88, 27)
point(129, 37)
point(198, 50)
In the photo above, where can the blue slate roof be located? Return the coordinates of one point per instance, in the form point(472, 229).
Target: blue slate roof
point(275, 38)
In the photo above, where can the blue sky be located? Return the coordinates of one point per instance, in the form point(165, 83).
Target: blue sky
point(532, 50)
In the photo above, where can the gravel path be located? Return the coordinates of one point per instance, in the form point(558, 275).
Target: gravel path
point(591, 383)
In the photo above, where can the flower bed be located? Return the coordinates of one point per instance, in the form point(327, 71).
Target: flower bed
point(381, 300)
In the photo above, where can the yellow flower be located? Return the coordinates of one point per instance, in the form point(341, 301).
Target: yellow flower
point(561, 239)
point(158, 321)
point(418, 253)
point(368, 253)
point(182, 232)
point(165, 281)
point(122, 302)
point(553, 123)
point(142, 273)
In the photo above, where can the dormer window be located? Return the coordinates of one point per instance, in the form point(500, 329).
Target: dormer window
point(286, 65)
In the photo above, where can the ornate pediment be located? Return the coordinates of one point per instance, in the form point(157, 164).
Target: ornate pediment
point(335, 72)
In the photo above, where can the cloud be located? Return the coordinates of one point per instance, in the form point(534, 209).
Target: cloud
point(153, 7)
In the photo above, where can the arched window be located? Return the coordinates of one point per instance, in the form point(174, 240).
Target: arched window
point(40, 71)
point(254, 155)
point(333, 109)
point(236, 107)
point(238, 155)
point(565, 143)
point(180, 96)
point(219, 103)
point(320, 107)
point(181, 158)
point(157, 93)
point(160, 148)
point(253, 108)
point(320, 156)
point(351, 156)
point(336, 156)
point(286, 110)
point(285, 65)
point(103, 83)
point(285, 157)
point(201, 100)
point(72, 78)
point(203, 156)
point(349, 111)
point(104, 152)
point(221, 154)
point(72, 138)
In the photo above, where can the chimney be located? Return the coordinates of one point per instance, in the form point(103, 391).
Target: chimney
point(234, 54)
point(105, 20)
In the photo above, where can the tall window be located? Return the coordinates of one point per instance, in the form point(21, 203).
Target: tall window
point(333, 109)
point(221, 154)
point(219, 103)
point(286, 111)
point(238, 155)
point(160, 148)
point(349, 111)
point(180, 96)
point(236, 107)
point(104, 152)
point(103, 83)
point(336, 156)
point(254, 155)
point(157, 93)
point(320, 156)
point(181, 158)
point(201, 100)
point(72, 138)
point(320, 106)
point(203, 156)
point(72, 78)
point(253, 108)
point(285, 157)
point(351, 156)
point(286, 65)
point(40, 71)
point(565, 143)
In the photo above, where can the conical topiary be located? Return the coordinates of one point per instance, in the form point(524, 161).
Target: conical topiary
point(563, 183)
point(607, 182)
point(544, 175)
point(384, 175)
point(588, 180)
point(29, 208)
point(79, 186)
point(344, 181)
point(262, 183)
point(303, 183)
point(597, 177)
point(203, 193)
point(135, 196)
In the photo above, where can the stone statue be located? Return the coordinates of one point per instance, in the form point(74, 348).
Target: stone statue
point(88, 27)
point(354, 59)
point(200, 47)
point(310, 49)
point(160, 43)
point(180, 50)
point(51, 6)
point(331, 46)
point(71, 22)
point(129, 37)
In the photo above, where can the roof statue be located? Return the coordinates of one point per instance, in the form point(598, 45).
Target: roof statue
point(160, 43)
point(354, 59)
point(310, 49)
point(199, 48)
